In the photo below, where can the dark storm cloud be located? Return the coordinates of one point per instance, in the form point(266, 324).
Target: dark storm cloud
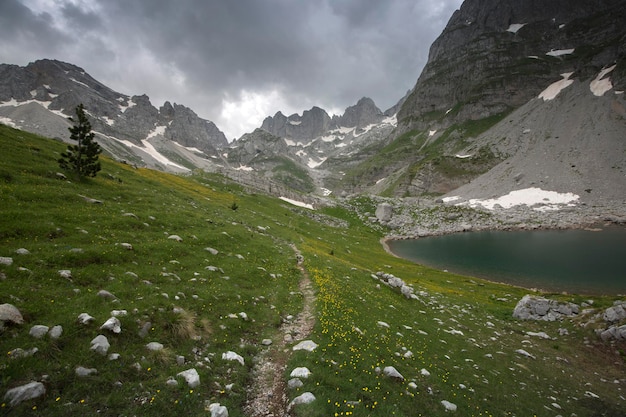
point(254, 55)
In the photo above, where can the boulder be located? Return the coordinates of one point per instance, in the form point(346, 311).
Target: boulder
point(384, 212)
point(614, 314)
point(294, 383)
point(56, 332)
point(25, 392)
point(113, 324)
point(300, 372)
point(532, 307)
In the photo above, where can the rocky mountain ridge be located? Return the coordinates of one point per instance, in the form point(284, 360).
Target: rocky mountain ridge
point(40, 96)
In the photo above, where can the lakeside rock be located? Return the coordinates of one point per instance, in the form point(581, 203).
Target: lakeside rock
point(532, 307)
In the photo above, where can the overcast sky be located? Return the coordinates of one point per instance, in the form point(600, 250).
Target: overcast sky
point(234, 62)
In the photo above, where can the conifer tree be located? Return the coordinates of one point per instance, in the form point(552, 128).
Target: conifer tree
point(81, 158)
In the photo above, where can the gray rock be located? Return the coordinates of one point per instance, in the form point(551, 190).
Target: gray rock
point(22, 251)
point(100, 344)
point(384, 212)
point(82, 372)
point(154, 346)
point(532, 307)
point(266, 342)
point(38, 331)
point(218, 410)
point(113, 324)
point(145, 329)
point(84, 318)
point(106, 294)
point(307, 345)
point(294, 383)
point(5, 260)
point(391, 372)
point(304, 398)
point(614, 314)
point(56, 332)
point(191, 376)
point(25, 392)
point(10, 313)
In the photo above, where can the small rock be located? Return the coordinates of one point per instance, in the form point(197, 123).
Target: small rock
point(22, 251)
point(391, 372)
point(100, 344)
point(191, 376)
point(55, 332)
point(524, 353)
point(21, 353)
point(171, 382)
point(175, 237)
point(119, 313)
point(145, 329)
point(25, 392)
point(448, 405)
point(113, 324)
point(424, 372)
point(65, 273)
point(106, 294)
point(218, 410)
point(5, 260)
point(304, 398)
point(266, 342)
point(383, 324)
point(212, 251)
point(154, 346)
point(294, 383)
point(81, 371)
point(300, 372)
point(307, 345)
point(114, 356)
point(180, 360)
point(126, 246)
point(232, 356)
point(84, 318)
point(38, 331)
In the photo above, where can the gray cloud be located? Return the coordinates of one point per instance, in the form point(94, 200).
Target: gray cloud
point(253, 55)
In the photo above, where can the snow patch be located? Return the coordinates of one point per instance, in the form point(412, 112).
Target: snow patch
point(559, 52)
point(601, 85)
point(244, 168)
point(555, 88)
point(297, 203)
point(131, 103)
point(431, 133)
point(289, 142)
point(515, 27)
point(158, 130)
point(8, 122)
point(295, 122)
point(108, 121)
point(79, 82)
point(464, 156)
point(314, 164)
point(151, 150)
point(546, 200)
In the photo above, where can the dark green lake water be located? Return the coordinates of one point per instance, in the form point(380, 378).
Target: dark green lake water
point(575, 261)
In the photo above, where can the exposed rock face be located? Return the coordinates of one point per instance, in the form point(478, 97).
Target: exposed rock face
point(362, 114)
point(311, 124)
point(493, 56)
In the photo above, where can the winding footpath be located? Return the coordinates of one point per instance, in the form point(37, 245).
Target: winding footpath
point(268, 390)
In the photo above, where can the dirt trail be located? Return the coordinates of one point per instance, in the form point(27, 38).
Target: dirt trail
point(268, 390)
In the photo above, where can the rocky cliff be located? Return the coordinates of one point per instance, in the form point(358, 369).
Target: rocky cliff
point(494, 56)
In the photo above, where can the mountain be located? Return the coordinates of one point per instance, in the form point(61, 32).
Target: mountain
point(310, 153)
point(42, 95)
point(481, 89)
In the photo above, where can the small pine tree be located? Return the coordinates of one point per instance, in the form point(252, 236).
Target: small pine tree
point(83, 157)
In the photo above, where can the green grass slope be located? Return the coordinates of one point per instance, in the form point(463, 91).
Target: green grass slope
point(456, 343)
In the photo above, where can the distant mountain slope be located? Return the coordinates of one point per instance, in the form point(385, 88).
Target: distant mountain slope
point(40, 96)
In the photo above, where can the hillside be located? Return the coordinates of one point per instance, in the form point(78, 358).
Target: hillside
point(204, 275)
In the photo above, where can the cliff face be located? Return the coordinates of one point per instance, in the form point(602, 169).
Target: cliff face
point(494, 56)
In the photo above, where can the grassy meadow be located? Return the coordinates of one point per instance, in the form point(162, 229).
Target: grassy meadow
point(231, 279)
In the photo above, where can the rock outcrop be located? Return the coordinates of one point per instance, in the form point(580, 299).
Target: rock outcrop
point(532, 307)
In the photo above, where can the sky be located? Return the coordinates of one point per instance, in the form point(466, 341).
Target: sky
point(234, 62)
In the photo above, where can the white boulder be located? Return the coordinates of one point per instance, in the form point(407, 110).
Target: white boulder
point(25, 392)
point(191, 376)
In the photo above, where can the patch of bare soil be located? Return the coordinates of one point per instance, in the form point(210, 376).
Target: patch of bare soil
point(268, 390)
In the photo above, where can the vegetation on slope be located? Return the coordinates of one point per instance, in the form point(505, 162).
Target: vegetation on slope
point(459, 330)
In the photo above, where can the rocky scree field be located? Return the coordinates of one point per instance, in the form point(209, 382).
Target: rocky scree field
point(190, 279)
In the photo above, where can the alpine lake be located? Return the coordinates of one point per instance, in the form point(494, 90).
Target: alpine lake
point(578, 261)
